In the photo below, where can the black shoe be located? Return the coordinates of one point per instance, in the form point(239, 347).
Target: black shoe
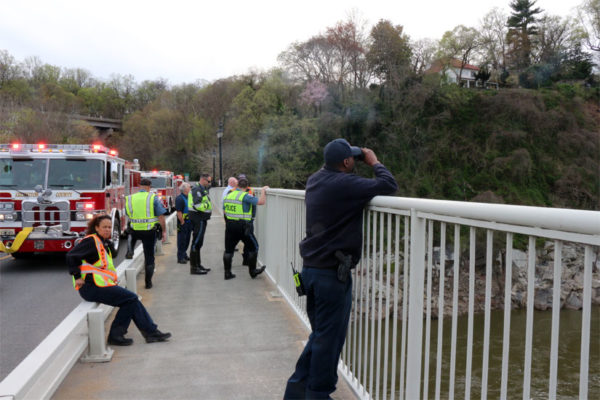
point(245, 262)
point(182, 262)
point(198, 271)
point(148, 285)
point(229, 275)
point(157, 336)
point(119, 341)
point(257, 271)
point(187, 258)
point(202, 268)
point(129, 256)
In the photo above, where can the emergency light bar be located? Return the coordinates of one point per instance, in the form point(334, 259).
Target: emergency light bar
point(20, 148)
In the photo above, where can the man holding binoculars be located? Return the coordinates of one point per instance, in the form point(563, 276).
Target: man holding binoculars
point(335, 200)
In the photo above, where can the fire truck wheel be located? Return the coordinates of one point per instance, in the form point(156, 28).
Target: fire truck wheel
point(116, 237)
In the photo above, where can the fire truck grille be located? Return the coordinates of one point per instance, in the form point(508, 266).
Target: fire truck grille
point(35, 214)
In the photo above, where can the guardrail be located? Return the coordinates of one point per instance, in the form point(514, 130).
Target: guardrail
point(390, 351)
point(79, 335)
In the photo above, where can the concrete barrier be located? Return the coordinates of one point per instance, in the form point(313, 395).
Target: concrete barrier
point(80, 335)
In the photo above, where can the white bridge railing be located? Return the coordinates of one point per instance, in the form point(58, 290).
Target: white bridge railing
point(397, 347)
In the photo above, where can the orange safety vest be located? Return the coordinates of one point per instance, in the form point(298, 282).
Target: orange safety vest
point(103, 270)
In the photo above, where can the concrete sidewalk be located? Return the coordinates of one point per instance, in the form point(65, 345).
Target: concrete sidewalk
point(231, 339)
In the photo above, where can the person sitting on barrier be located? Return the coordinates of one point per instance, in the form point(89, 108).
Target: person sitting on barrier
point(95, 277)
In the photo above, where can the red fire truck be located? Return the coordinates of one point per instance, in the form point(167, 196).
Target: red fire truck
point(164, 185)
point(49, 192)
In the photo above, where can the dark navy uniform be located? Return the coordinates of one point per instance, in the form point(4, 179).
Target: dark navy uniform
point(334, 208)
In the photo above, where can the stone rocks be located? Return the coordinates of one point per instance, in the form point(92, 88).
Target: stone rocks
point(571, 291)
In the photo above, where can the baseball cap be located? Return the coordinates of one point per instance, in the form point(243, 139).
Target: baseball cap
point(338, 150)
point(242, 177)
point(146, 182)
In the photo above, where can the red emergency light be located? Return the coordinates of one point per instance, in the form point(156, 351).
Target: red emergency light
point(41, 146)
point(16, 146)
point(113, 152)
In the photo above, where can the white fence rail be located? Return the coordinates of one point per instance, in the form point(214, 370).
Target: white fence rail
point(79, 335)
point(398, 347)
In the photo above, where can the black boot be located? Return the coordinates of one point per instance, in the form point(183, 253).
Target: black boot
point(119, 341)
point(252, 259)
point(200, 266)
point(149, 274)
point(156, 336)
point(195, 263)
point(227, 259)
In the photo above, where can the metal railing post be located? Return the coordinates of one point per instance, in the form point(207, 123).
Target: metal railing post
point(97, 350)
point(415, 305)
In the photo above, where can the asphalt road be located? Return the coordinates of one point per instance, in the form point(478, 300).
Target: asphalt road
point(36, 294)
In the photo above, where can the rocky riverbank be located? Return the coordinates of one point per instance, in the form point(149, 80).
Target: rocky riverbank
point(571, 281)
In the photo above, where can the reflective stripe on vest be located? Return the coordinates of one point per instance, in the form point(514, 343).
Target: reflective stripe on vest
point(140, 210)
point(233, 206)
point(205, 205)
point(190, 203)
point(103, 270)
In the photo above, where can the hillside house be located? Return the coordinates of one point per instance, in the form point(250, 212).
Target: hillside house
point(451, 69)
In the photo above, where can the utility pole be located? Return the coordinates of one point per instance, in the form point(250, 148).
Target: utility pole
point(214, 154)
point(220, 136)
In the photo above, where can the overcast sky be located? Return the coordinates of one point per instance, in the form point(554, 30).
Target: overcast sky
point(183, 41)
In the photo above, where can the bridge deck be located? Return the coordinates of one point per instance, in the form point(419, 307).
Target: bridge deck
point(231, 339)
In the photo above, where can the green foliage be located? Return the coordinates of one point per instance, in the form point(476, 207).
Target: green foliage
point(519, 146)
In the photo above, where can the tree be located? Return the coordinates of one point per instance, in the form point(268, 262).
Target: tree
point(348, 45)
point(423, 51)
point(336, 57)
point(461, 42)
point(492, 50)
point(9, 69)
point(589, 16)
point(522, 25)
point(389, 55)
point(555, 36)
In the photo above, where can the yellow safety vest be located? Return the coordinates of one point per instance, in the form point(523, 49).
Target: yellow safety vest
point(140, 210)
point(233, 206)
point(205, 205)
point(103, 270)
point(190, 204)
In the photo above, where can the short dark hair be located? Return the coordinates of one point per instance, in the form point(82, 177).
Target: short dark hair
point(205, 176)
point(95, 222)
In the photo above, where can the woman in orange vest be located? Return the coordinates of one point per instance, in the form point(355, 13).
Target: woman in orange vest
point(95, 277)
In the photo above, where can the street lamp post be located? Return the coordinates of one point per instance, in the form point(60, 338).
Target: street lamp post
point(214, 154)
point(220, 135)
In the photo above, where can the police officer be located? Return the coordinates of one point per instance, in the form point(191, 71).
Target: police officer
point(200, 212)
point(184, 225)
point(146, 214)
point(335, 199)
point(251, 226)
point(237, 208)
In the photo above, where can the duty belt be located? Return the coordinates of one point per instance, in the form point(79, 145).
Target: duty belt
point(143, 221)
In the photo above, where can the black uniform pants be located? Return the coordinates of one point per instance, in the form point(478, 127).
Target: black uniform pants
point(148, 239)
point(199, 223)
point(130, 307)
point(236, 231)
